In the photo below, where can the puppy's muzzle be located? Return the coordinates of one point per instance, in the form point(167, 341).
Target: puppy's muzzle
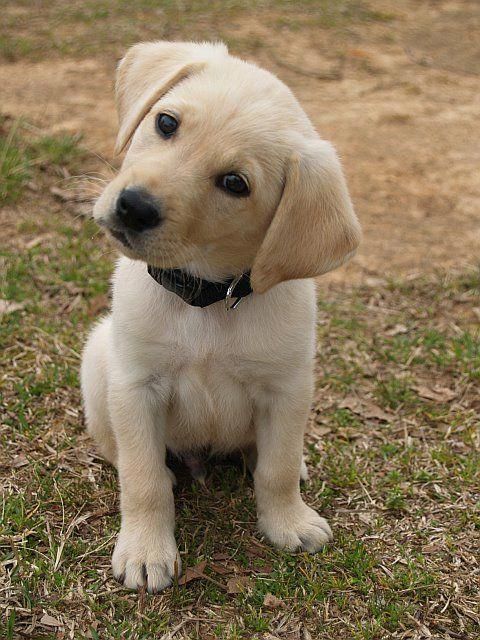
point(136, 210)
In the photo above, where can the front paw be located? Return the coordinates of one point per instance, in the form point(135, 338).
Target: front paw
point(296, 528)
point(145, 557)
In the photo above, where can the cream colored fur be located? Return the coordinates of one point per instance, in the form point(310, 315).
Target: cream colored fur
point(157, 373)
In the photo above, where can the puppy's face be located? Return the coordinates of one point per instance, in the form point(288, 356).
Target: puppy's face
point(217, 151)
point(202, 177)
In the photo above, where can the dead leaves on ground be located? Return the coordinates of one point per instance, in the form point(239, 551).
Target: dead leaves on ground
point(49, 621)
point(235, 584)
point(9, 306)
point(238, 584)
point(272, 602)
point(223, 566)
point(436, 393)
point(193, 573)
point(365, 408)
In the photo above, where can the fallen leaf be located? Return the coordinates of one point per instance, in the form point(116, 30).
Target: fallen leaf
point(366, 518)
point(350, 434)
point(9, 306)
point(49, 621)
point(221, 556)
point(371, 410)
point(265, 568)
point(396, 330)
point(19, 461)
point(272, 602)
point(437, 393)
point(38, 240)
point(193, 573)
point(364, 408)
point(254, 552)
point(238, 584)
point(71, 304)
point(218, 568)
point(320, 430)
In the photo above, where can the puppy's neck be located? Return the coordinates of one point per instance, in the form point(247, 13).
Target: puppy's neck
point(199, 292)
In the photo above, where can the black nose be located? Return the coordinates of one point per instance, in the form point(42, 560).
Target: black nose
point(137, 210)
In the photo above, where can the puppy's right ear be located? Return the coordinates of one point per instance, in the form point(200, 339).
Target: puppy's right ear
point(148, 71)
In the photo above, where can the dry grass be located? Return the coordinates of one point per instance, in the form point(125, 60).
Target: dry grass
point(88, 28)
point(393, 452)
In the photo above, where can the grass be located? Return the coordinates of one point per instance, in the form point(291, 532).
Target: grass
point(87, 28)
point(21, 148)
point(14, 167)
point(57, 150)
point(13, 48)
point(395, 471)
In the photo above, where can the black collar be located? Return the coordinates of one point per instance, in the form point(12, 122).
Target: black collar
point(201, 293)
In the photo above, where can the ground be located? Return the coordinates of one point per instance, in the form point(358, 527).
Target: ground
point(393, 444)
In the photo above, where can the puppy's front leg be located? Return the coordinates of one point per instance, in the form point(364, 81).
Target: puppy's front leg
point(283, 517)
point(145, 552)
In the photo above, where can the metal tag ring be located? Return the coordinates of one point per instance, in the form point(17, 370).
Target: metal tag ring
point(229, 295)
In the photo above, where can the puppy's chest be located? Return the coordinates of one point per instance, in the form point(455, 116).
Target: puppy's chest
point(212, 382)
point(210, 405)
point(211, 374)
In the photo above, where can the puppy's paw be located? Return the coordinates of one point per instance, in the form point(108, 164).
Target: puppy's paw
point(145, 558)
point(296, 528)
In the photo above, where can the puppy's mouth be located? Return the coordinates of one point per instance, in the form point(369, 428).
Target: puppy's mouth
point(121, 236)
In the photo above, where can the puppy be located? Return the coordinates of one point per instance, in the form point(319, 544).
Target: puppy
point(225, 207)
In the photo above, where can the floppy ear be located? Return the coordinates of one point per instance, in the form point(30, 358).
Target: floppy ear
point(148, 71)
point(314, 229)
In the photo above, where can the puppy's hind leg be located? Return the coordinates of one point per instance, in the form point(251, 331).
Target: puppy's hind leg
point(94, 380)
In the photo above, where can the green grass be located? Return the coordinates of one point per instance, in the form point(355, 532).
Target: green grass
point(395, 392)
point(14, 167)
point(57, 150)
point(13, 48)
point(21, 150)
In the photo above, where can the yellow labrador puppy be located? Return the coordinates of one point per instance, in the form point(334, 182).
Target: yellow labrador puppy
point(226, 205)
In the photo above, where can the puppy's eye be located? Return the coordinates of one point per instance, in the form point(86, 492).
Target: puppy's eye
point(234, 184)
point(166, 125)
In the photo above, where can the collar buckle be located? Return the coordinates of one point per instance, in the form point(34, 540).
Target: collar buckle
point(229, 305)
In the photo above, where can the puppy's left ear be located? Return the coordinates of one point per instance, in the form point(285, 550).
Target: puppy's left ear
point(148, 71)
point(314, 229)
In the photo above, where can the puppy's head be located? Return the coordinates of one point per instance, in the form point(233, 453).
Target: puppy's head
point(224, 172)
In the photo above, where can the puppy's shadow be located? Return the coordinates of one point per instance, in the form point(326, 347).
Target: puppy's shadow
point(206, 470)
